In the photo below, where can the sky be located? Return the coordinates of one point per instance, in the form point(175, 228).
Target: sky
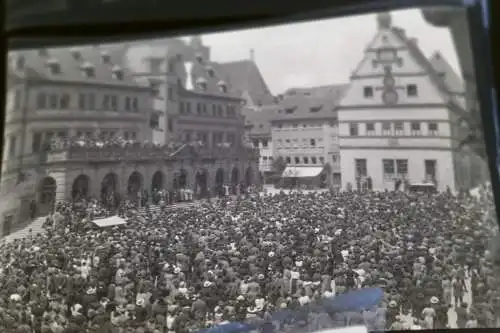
point(321, 52)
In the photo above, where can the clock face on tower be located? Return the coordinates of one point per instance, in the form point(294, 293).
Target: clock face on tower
point(390, 97)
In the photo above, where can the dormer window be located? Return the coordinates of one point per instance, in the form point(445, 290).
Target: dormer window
point(199, 57)
point(88, 69)
point(117, 73)
point(289, 110)
point(222, 86)
point(315, 108)
point(202, 83)
point(43, 53)
point(76, 54)
point(106, 58)
point(54, 66)
point(210, 71)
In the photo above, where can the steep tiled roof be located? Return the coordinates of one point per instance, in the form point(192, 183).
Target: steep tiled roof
point(310, 107)
point(259, 122)
point(320, 91)
point(451, 79)
point(36, 65)
point(417, 54)
point(244, 76)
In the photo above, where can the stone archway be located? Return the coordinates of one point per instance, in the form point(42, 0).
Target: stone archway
point(235, 180)
point(47, 190)
point(219, 182)
point(157, 181)
point(81, 187)
point(201, 184)
point(249, 177)
point(180, 179)
point(109, 189)
point(135, 185)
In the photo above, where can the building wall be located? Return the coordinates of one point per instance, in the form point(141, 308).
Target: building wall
point(265, 146)
point(416, 170)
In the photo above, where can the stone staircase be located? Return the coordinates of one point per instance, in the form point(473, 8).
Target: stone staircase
point(35, 226)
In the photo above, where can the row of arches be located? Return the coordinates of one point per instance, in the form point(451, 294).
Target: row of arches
point(81, 186)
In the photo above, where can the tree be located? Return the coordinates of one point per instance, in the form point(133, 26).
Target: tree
point(279, 165)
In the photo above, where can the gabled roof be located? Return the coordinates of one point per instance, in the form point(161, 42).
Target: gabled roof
point(259, 122)
point(244, 75)
point(416, 53)
point(310, 107)
point(451, 79)
point(71, 67)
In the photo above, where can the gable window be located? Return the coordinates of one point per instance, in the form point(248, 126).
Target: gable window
point(135, 104)
point(53, 101)
point(353, 129)
point(64, 101)
point(433, 129)
point(368, 92)
point(370, 128)
point(386, 55)
point(398, 128)
point(415, 128)
point(411, 90)
point(386, 128)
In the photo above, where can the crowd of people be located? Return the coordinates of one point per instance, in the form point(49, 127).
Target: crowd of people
point(181, 270)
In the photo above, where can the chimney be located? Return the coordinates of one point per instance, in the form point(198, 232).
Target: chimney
point(414, 41)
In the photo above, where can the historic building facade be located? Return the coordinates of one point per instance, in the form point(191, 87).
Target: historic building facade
point(399, 118)
point(304, 134)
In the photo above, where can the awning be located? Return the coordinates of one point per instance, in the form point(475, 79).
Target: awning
point(301, 172)
point(109, 221)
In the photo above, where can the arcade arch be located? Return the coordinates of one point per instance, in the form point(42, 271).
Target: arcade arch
point(81, 187)
point(158, 181)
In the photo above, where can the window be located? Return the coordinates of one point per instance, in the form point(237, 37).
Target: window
point(12, 146)
point(360, 167)
point(306, 160)
point(114, 103)
point(411, 90)
point(81, 101)
point(297, 160)
point(433, 129)
point(204, 107)
point(105, 103)
point(264, 143)
point(220, 111)
point(402, 169)
point(430, 170)
point(368, 92)
point(214, 110)
point(314, 160)
point(128, 104)
point(133, 136)
point(182, 108)
point(155, 65)
point(91, 101)
point(154, 121)
point(170, 94)
point(295, 125)
point(322, 160)
point(125, 135)
point(62, 134)
point(386, 128)
point(353, 129)
point(313, 142)
point(370, 129)
point(415, 128)
point(399, 128)
point(170, 125)
point(64, 101)
point(335, 157)
point(199, 108)
point(41, 101)
point(288, 160)
point(389, 169)
point(386, 55)
point(53, 101)
point(135, 104)
point(255, 143)
point(36, 142)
